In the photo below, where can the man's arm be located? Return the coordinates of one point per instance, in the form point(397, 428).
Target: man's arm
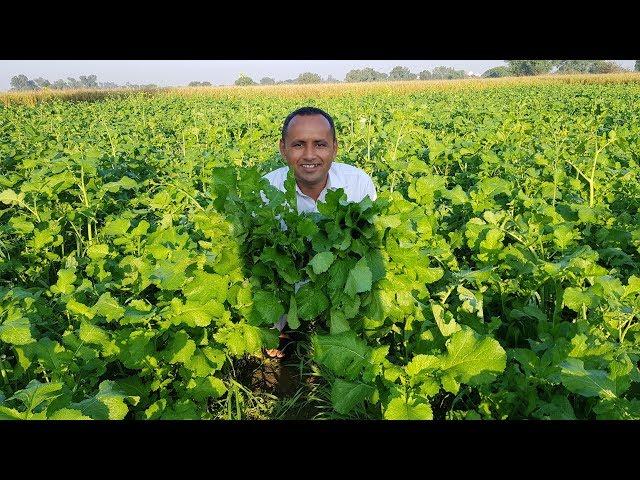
point(370, 189)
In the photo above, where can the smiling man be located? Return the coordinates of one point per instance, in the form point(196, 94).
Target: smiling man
point(309, 146)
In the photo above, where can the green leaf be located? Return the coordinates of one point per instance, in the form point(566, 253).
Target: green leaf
point(311, 302)
point(344, 354)
point(359, 279)
point(16, 332)
point(444, 319)
point(206, 286)
point(108, 307)
point(90, 333)
point(136, 347)
point(97, 251)
point(575, 298)
point(208, 387)
point(422, 362)
point(588, 383)
point(107, 404)
point(7, 413)
point(472, 359)
point(337, 322)
point(8, 196)
point(321, 262)
point(64, 285)
point(68, 414)
point(169, 276)
point(180, 349)
point(80, 309)
point(196, 314)
point(128, 183)
point(398, 409)
point(292, 316)
point(37, 393)
point(345, 396)
point(267, 307)
point(116, 227)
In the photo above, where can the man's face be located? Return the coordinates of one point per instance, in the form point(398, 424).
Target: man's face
point(309, 149)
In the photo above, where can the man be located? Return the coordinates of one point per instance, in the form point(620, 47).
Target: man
point(309, 146)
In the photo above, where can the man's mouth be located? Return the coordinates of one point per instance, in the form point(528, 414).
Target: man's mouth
point(310, 166)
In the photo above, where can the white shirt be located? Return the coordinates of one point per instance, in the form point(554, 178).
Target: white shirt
point(355, 182)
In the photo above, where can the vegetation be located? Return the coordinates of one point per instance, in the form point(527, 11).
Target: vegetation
point(496, 276)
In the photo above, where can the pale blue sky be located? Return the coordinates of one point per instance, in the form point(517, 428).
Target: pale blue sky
point(218, 72)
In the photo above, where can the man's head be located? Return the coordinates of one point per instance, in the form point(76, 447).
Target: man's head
point(309, 145)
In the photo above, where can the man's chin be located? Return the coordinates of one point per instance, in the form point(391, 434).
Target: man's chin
point(311, 180)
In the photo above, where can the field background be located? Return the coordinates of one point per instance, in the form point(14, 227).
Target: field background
point(496, 277)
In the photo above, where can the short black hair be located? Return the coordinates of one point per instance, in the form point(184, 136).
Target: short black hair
point(308, 111)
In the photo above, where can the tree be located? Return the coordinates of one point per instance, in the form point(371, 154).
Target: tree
point(604, 66)
point(199, 84)
point(21, 82)
point(401, 73)
point(497, 72)
point(365, 75)
point(330, 79)
point(244, 80)
point(530, 67)
point(73, 83)
point(425, 75)
point(59, 84)
point(308, 77)
point(42, 82)
point(637, 66)
point(574, 66)
point(447, 73)
point(267, 81)
point(90, 81)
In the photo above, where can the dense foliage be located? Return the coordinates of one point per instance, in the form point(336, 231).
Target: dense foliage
point(496, 276)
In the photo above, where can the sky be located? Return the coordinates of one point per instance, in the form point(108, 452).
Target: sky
point(218, 72)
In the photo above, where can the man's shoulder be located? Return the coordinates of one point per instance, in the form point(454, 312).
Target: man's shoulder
point(277, 176)
point(349, 170)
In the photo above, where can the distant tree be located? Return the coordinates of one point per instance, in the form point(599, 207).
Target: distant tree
point(530, 67)
point(365, 75)
point(42, 82)
point(59, 84)
point(21, 82)
point(267, 81)
point(73, 83)
point(90, 81)
point(330, 79)
point(574, 66)
point(425, 75)
point(637, 66)
point(401, 73)
point(497, 72)
point(447, 73)
point(605, 66)
point(244, 80)
point(308, 77)
point(199, 84)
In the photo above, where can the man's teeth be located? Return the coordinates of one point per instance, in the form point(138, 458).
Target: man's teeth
point(309, 166)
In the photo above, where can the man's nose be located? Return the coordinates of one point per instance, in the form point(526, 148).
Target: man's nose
point(308, 151)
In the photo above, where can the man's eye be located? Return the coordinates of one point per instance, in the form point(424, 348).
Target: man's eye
point(322, 145)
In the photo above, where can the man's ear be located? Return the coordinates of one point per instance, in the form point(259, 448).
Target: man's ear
point(282, 150)
point(335, 147)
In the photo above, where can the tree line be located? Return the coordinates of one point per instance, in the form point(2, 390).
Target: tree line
point(513, 68)
point(22, 82)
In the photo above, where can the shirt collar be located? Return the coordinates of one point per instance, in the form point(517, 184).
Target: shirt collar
point(329, 185)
